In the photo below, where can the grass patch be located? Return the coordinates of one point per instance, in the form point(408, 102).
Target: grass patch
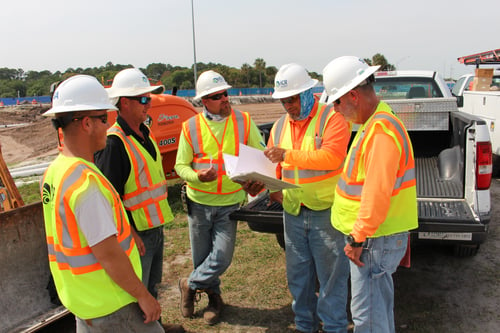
point(30, 192)
point(254, 287)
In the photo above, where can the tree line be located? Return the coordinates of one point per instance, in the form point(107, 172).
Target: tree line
point(20, 83)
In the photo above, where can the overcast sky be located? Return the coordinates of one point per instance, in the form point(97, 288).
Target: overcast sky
point(426, 34)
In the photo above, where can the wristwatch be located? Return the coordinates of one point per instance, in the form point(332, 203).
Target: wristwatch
point(351, 241)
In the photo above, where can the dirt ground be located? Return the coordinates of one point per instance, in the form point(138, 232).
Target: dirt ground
point(439, 293)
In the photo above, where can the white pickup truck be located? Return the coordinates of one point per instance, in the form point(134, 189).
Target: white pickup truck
point(452, 157)
point(463, 85)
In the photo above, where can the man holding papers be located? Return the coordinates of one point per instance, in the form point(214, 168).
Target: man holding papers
point(212, 196)
point(310, 143)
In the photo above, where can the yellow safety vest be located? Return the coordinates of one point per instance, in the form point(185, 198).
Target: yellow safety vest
point(402, 215)
point(316, 186)
point(82, 284)
point(146, 188)
point(207, 150)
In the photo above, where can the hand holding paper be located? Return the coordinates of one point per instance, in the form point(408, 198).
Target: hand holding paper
point(252, 164)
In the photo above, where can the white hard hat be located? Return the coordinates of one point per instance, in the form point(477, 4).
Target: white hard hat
point(292, 79)
point(131, 82)
point(210, 82)
point(343, 74)
point(79, 93)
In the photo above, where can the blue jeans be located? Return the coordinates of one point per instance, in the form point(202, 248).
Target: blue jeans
point(315, 252)
point(372, 289)
point(152, 261)
point(127, 320)
point(213, 236)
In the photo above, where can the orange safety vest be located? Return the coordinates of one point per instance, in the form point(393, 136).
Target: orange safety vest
point(146, 188)
point(207, 150)
point(80, 279)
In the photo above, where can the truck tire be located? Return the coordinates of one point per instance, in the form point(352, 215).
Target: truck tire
point(465, 250)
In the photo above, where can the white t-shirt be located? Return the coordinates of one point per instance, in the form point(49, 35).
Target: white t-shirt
point(94, 215)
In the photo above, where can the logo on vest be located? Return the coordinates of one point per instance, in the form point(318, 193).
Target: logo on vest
point(47, 193)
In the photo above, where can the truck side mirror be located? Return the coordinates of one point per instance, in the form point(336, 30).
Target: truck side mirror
point(460, 101)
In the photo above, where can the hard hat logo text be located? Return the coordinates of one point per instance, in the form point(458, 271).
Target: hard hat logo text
point(281, 83)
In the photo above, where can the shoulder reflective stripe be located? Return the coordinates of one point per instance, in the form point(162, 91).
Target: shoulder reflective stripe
point(74, 176)
point(320, 128)
point(398, 128)
point(138, 161)
point(193, 133)
point(240, 121)
point(278, 130)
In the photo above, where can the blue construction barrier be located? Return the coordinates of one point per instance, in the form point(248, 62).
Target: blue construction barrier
point(181, 93)
point(25, 100)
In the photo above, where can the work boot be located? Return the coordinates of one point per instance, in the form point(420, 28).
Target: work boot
point(173, 328)
point(212, 313)
point(187, 298)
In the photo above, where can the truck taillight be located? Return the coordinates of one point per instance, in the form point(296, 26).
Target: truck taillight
point(484, 165)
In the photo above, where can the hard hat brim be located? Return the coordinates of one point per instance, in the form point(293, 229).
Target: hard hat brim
point(211, 91)
point(351, 85)
point(133, 91)
point(82, 107)
point(285, 94)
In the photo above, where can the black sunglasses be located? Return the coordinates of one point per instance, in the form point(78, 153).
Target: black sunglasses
point(102, 117)
point(216, 97)
point(141, 99)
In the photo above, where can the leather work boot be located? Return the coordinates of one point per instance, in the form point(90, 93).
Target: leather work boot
point(173, 328)
point(187, 298)
point(215, 304)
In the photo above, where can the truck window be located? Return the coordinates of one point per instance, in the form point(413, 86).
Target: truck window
point(456, 88)
point(406, 88)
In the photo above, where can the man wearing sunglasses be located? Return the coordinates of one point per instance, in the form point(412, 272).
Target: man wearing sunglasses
point(133, 164)
point(310, 143)
point(92, 256)
point(211, 195)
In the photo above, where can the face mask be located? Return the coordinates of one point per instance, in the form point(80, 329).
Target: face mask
point(306, 103)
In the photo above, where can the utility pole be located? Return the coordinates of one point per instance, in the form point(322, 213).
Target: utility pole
point(194, 44)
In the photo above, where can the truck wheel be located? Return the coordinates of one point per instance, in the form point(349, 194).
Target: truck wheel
point(465, 250)
point(281, 240)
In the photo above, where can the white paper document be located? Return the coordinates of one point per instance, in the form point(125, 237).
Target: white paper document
point(252, 164)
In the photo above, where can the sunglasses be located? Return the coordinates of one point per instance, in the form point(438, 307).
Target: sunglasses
point(102, 117)
point(216, 97)
point(141, 99)
point(289, 100)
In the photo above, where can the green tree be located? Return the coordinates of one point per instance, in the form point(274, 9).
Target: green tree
point(260, 66)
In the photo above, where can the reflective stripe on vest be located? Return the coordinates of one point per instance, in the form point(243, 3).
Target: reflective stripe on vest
point(355, 190)
point(73, 253)
point(142, 197)
point(306, 175)
point(210, 153)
